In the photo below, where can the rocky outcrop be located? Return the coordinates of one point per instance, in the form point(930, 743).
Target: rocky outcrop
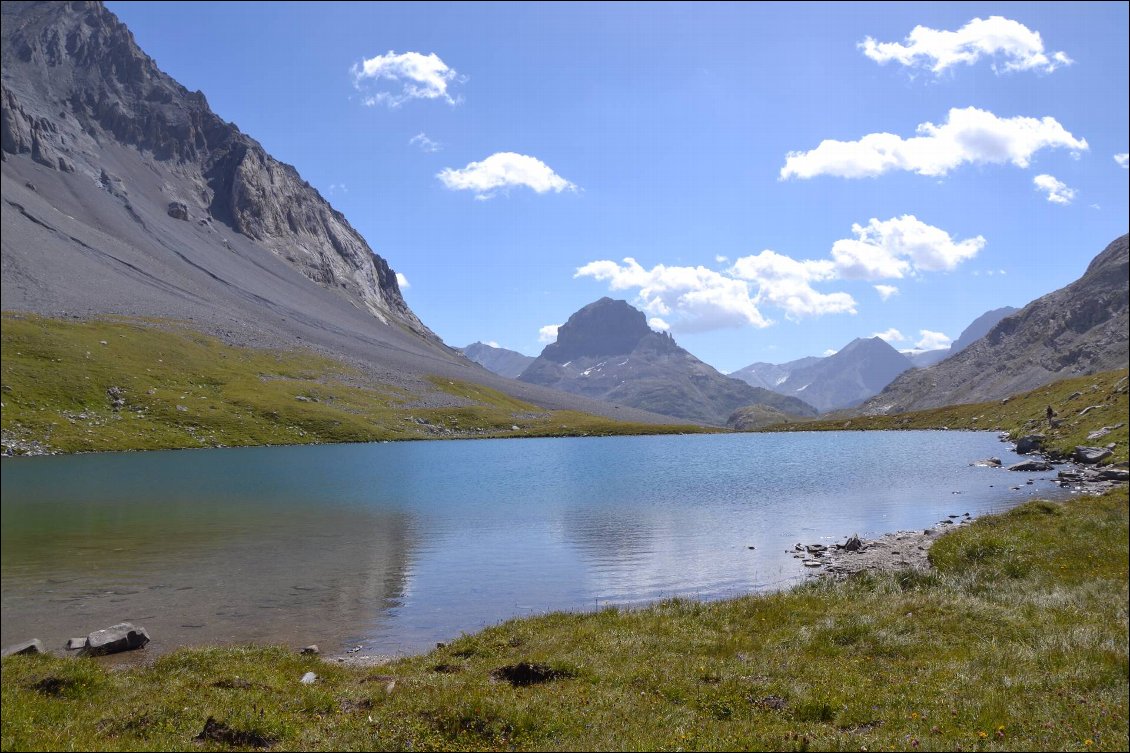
point(74, 80)
point(606, 350)
point(1080, 329)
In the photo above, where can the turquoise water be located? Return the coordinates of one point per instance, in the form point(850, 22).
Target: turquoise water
point(396, 546)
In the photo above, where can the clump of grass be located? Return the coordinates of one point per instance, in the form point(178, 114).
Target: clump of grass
point(79, 386)
point(967, 656)
point(1083, 405)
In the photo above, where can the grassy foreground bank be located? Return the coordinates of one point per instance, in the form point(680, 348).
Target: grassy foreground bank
point(1018, 641)
point(80, 386)
point(1082, 405)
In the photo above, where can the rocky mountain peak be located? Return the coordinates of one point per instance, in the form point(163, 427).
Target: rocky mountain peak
point(602, 328)
point(76, 84)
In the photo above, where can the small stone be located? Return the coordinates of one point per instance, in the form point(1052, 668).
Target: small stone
point(311, 650)
point(74, 644)
point(34, 646)
point(854, 544)
point(178, 210)
point(309, 678)
point(513, 428)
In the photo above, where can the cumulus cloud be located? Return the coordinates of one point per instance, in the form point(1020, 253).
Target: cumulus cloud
point(402, 281)
point(932, 340)
point(702, 298)
point(426, 145)
point(787, 284)
point(1123, 160)
point(898, 247)
point(695, 299)
point(548, 333)
point(501, 171)
point(658, 324)
point(492, 343)
point(886, 291)
point(1020, 48)
point(417, 76)
point(891, 335)
point(969, 135)
point(830, 352)
point(1057, 190)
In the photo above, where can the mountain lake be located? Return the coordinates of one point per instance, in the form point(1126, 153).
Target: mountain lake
point(392, 547)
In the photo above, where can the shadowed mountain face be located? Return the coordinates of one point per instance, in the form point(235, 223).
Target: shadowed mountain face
point(507, 363)
point(770, 375)
point(607, 351)
point(124, 194)
point(1080, 329)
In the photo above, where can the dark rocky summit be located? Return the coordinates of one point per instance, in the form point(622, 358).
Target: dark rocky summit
point(1080, 329)
point(606, 350)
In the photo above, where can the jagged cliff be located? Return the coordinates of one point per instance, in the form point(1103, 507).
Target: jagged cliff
point(75, 83)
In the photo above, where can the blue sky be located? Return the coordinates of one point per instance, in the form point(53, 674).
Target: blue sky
point(699, 141)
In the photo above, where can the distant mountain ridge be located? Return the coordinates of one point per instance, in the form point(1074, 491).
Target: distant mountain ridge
point(504, 362)
point(847, 377)
point(1079, 329)
point(606, 350)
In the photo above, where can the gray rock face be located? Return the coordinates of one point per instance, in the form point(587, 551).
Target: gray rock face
point(607, 351)
point(507, 363)
point(115, 639)
point(74, 79)
point(1031, 465)
point(979, 328)
point(1080, 329)
point(1091, 455)
point(1029, 444)
point(34, 646)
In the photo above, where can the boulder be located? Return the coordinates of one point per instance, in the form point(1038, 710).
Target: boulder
point(1031, 465)
point(74, 644)
point(1028, 444)
point(34, 646)
point(854, 544)
point(1114, 474)
point(115, 639)
point(1091, 455)
point(178, 210)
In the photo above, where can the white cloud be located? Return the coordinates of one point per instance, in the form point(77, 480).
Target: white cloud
point(1123, 160)
point(696, 299)
point(426, 145)
point(1057, 190)
point(886, 291)
point(548, 333)
point(502, 170)
point(898, 247)
point(338, 187)
point(1021, 48)
point(721, 259)
point(419, 77)
point(830, 352)
point(492, 343)
point(702, 298)
point(932, 340)
point(658, 324)
point(787, 283)
point(892, 335)
point(969, 135)
point(402, 281)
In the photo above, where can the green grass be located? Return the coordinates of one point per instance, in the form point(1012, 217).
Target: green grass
point(1017, 641)
point(1103, 397)
point(183, 389)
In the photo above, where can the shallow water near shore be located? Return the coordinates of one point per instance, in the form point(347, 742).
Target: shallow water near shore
point(393, 547)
